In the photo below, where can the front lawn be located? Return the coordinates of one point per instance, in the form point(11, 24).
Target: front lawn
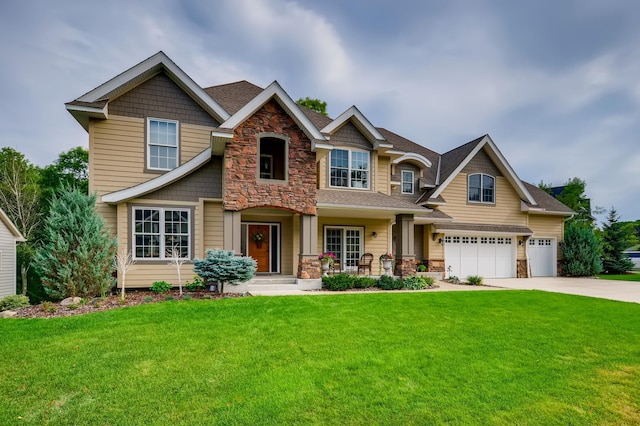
point(633, 276)
point(503, 357)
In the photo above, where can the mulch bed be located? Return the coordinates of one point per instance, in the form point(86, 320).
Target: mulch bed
point(132, 298)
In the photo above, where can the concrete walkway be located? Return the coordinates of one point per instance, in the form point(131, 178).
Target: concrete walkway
point(624, 291)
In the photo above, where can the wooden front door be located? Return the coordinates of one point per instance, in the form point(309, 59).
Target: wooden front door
point(259, 246)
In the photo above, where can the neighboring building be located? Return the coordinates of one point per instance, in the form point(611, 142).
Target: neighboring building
point(244, 168)
point(634, 255)
point(9, 236)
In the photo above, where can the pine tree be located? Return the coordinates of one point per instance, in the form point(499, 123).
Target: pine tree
point(76, 258)
point(581, 251)
point(223, 266)
point(614, 242)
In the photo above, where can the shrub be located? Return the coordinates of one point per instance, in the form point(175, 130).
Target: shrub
point(12, 302)
point(417, 283)
point(48, 307)
point(160, 287)
point(338, 282)
point(187, 297)
point(148, 299)
point(195, 285)
point(76, 258)
point(474, 280)
point(581, 251)
point(169, 298)
point(422, 268)
point(389, 283)
point(364, 282)
point(224, 267)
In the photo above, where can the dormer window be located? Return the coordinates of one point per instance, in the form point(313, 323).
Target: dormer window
point(349, 169)
point(481, 188)
point(162, 144)
point(407, 182)
point(272, 158)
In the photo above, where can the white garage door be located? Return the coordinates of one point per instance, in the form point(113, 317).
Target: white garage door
point(542, 257)
point(486, 256)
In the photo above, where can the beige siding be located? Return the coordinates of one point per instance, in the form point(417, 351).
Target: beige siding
point(546, 226)
point(213, 226)
point(323, 165)
point(193, 141)
point(506, 210)
point(382, 183)
point(432, 249)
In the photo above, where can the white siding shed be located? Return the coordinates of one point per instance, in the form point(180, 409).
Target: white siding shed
point(9, 236)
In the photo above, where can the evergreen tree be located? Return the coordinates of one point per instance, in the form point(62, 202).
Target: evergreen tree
point(614, 242)
point(581, 251)
point(76, 258)
point(223, 266)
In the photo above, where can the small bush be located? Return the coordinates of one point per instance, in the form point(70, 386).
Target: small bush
point(196, 285)
point(160, 287)
point(48, 307)
point(389, 283)
point(168, 298)
point(207, 297)
point(338, 282)
point(187, 297)
point(474, 280)
point(422, 268)
point(148, 299)
point(72, 306)
point(418, 283)
point(364, 282)
point(12, 302)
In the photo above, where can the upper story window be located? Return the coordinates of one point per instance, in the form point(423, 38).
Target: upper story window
point(349, 169)
point(159, 231)
point(162, 144)
point(481, 188)
point(272, 158)
point(407, 182)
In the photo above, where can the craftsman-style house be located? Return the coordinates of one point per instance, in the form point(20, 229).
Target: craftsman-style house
point(245, 168)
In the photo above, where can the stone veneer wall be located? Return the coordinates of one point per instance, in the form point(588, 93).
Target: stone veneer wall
point(522, 268)
point(405, 267)
point(243, 190)
point(309, 268)
point(435, 265)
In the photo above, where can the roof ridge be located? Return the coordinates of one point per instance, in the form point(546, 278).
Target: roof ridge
point(231, 83)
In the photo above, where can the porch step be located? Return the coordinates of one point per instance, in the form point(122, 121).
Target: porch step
point(273, 284)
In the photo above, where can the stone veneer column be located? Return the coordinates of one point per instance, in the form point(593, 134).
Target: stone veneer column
point(405, 256)
point(232, 232)
point(308, 263)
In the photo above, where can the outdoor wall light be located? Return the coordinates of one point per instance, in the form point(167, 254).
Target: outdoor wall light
point(374, 234)
point(520, 242)
point(439, 240)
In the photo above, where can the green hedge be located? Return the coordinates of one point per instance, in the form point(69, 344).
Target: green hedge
point(342, 282)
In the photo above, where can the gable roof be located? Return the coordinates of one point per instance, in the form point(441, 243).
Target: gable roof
point(275, 91)
point(545, 203)
point(454, 161)
point(354, 115)
point(95, 102)
point(11, 227)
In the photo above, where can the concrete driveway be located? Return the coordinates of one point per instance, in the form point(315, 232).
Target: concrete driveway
point(624, 291)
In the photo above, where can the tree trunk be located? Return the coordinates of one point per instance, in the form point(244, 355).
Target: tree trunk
point(23, 273)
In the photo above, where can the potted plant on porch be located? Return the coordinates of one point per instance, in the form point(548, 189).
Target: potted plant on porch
point(386, 259)
point(326, 260)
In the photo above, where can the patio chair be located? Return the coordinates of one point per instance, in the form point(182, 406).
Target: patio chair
point(336, 268)
point(365, 263)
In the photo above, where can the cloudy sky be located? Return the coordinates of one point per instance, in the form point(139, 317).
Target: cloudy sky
point(555, 83)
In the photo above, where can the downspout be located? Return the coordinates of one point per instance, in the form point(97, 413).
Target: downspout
point(526, 255)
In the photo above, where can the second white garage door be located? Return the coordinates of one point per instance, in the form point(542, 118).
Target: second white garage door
point(486, 256)
point(542, 257)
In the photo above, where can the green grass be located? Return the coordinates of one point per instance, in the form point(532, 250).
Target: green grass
point(633, 276)
point(503, 357)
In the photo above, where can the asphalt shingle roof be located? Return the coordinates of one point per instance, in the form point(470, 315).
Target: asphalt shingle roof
point(546, 201)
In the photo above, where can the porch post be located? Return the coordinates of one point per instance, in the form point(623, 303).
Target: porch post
point(308, 263)
point(232, 231)
point(405, 256)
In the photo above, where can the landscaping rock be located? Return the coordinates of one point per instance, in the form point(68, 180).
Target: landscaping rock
point(70, 301)
point(8, 314)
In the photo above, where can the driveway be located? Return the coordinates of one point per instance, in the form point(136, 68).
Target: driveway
point(624, 291)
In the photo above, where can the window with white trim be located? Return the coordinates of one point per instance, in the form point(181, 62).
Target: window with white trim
point(272, 158)
point(407, 182)
point(481, 188)
point(157, 231)
point(162, 144)
point(349, 169)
